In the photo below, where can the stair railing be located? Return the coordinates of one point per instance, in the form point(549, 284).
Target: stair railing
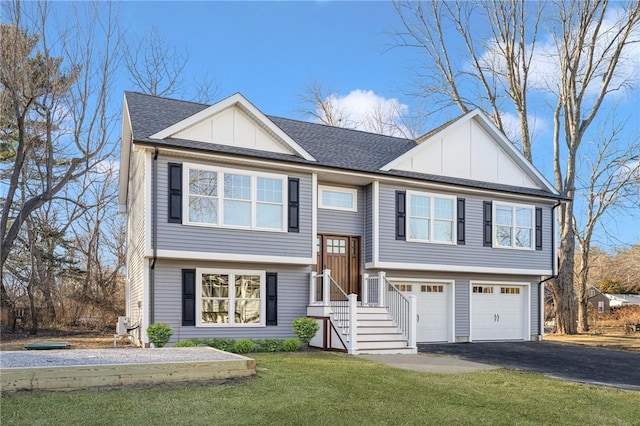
point(402, 310)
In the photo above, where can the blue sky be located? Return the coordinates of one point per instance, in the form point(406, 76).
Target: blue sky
point(269, 52)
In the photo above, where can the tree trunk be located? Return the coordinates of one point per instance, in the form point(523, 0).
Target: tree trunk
point(565, 299)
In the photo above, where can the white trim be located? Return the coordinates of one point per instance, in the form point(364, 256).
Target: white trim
point(125, 155)
point(253, 175)
point(231, 296)
point(526, 323)
point(391, 180)
point(556, 240)
point(375, 226)
point(340, 190)
point(145, 301)
point(236, 99)
point(541, 310)
point(454, 268)
point(514, 226)
point(432, 196)
point(233, 257)
point(497, 135)
point(452, 299)
point(148, 203)
point(314, 217)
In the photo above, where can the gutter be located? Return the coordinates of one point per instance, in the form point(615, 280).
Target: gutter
point(154, 230)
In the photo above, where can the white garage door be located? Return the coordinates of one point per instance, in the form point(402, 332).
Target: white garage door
point(433, 300)
point(498, 312)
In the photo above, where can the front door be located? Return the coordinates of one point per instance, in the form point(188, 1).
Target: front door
point(341, 255)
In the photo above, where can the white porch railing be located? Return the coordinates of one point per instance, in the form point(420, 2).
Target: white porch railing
point(376, 291)
point(325, 291)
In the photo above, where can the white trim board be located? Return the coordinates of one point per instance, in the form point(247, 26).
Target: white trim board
point(232, 257)
point(454, 268)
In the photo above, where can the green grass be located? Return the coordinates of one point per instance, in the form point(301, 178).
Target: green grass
point(335, 389)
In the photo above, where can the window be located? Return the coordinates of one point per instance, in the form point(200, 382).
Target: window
point(230, 298)
point(234, 198)
point(337, 198)
point(509, 290)
point(513, 226)
point(432, 289)
point(430, 217)
point(483, 289)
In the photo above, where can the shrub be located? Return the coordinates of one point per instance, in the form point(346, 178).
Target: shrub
point(186, 344)
point(291, 345)
point(159, 333)
point(268, 345)
point(305, 328)
point(243, 346)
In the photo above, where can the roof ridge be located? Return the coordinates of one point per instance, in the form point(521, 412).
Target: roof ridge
point(340, 128)
point(165, 98)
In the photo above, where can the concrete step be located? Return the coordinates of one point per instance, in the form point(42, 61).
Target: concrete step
point(386, 344)
point(387, 351)
point(377, 337)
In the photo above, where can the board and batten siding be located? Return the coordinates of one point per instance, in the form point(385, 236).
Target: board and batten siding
point(136, 221)
point(472, 253)
point(462, 293)
point(340, 222)
point(176, 236)
point(293, 296)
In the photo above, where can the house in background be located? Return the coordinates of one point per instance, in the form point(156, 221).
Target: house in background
point(238, 223)
point(597, 300)
point(617, 300)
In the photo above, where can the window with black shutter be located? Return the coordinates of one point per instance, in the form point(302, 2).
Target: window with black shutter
point(401, 215)
point(538, 228)
point(488, 223)
point(460, 213)
point(175, 193)
point(294, 205)
point(272, 298)
point(188, 297)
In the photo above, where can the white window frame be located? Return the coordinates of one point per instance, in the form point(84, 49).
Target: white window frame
point(254, 175)
point(232, 273)
point(514, 226)
point(341, 190)
point(432, 196)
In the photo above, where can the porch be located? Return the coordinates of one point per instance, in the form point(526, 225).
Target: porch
point(383, 321)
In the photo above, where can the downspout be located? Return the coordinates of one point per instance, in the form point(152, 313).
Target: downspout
point(554, 272)
point(154, 230)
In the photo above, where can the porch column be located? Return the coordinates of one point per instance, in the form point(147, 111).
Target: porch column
point(326, 287)
point(413, 320)
point(365, 289)
point(381, 285)
point(313, 288)
point(353, 324)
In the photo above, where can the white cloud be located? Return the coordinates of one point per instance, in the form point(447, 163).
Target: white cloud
point(511, 124)
point(364, 110)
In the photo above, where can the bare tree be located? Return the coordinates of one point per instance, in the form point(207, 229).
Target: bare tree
point(608, 187)
point(55, 87)
point(581, 69)
point(320, 104)
point(157, 67)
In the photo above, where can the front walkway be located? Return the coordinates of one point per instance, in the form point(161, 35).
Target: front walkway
point(429, 363)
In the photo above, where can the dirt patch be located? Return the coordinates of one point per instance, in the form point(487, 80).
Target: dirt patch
point(76, 340)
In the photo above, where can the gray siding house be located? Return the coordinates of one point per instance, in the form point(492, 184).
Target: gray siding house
point(238, 223)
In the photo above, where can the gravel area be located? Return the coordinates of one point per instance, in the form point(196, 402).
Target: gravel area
point(83, 357)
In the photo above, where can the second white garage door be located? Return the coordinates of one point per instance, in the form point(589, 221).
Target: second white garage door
point(499, 311)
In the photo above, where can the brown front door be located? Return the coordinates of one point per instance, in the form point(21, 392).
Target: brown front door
point(341, 255)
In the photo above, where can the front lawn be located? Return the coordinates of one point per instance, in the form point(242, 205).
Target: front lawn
point(320, 388)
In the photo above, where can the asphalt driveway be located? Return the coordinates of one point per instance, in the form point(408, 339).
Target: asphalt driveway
point(585, 364)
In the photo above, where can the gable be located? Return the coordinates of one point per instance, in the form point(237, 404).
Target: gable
point(471, 148)
point(233, 127)
point(234, 122)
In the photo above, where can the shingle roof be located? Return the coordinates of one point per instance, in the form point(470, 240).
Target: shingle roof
point(331, 146)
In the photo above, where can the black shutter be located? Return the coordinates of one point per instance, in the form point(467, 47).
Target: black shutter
point(488, 223)
point(401, 215)
point(461, 221)
point(188, 297)
point(294, 205)
point(175, 193)
point(272, 298)
point(538, 228)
